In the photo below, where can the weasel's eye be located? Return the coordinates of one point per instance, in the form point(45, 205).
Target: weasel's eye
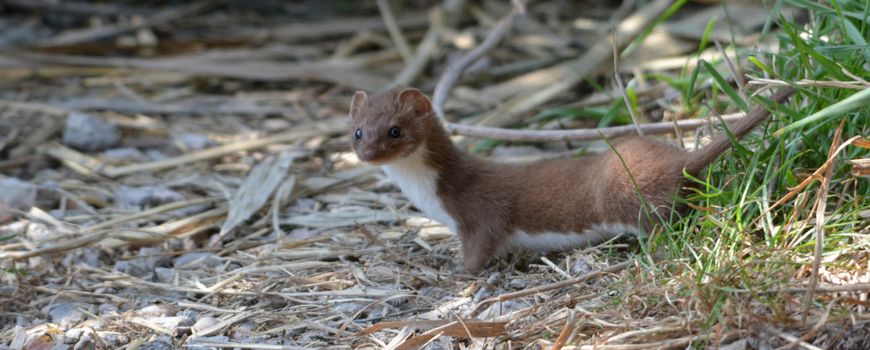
point(357, 134)
point(395, 132)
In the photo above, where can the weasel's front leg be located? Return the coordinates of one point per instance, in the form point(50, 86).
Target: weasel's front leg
point(478, 247)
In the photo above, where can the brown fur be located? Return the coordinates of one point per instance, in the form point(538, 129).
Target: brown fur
point(489, 200)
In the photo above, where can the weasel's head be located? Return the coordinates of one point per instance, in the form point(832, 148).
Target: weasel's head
point(391, 125)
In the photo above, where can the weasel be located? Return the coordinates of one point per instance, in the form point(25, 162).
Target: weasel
point(541, 206)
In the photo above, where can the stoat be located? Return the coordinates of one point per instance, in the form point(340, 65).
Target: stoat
point(541, 206)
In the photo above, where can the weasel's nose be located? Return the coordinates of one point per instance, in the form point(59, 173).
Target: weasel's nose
point(366, 154)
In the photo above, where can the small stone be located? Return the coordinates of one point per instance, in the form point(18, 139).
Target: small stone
point(85, 342)
point(197, 259)
point(164, 342)
point(154, 310)
point(129, 154)
point(155, 155)
point(346, 308)
point(66, 315)
point(88, 133)
point(16, 194)
point(517, 283)
point(108, 309)
point(164, 274)
point(275, 124)
point(132, 267)
point(38, 232)
point(172, 323)
point(74, 334)
point(194, 142)
point(113, 339)
point(244, 330)
point(204, 323)
point(138, 198)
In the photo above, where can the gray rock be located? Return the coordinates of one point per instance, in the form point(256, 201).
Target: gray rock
point(517, 283)
point(16, 194)
point(172, 323)
point(138, 198)
point(346, 308)
point(197, 259)
point(164, 274)
point(134, 267)
point(37, 232)
point(163, 342)
point(108, 309)
point(66, 315)
point(194, 142)
point(85, 342)
point(192, 314)
point(113, 339)
point(74, 334)
point(87, 133)
point(244, 330)
point(154, 310)
point(125, 154)
point(154, 155)
point(204, 323)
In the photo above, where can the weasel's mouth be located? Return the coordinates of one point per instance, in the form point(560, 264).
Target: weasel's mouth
point(372, 158)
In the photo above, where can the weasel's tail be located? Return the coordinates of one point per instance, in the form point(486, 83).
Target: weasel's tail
point(699, 159)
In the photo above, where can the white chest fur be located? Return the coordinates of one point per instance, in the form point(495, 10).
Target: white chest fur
point(419, 182)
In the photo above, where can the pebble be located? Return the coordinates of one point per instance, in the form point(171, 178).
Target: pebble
point(194, 142)
point(114, 340)
point(163, 342)
point(108, 309)
point(126, 154)
point(87, 133)
point(517, 283)
point(192, 314)
point(85, 342)
point(172, 323)
point(154, 310)
point(17, 194)
point(138, 198)
point(244, 330)
point(144, 266)
point(155, 155)
point(164, 274)
point(38, 232)
point(197, 259)
point(66, 315)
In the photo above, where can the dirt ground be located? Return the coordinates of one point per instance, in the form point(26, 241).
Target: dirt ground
point(178, 175)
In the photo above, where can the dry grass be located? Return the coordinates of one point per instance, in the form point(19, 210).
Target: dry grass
point(303, 246)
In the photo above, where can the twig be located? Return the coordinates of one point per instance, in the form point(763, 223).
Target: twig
point(293, 135)
point(822, 199)
point(395, 32)
point(579, 68)
point(517, 135)
point(519, 294)
point(455, 70)
point(92, 34)
point(424, 51)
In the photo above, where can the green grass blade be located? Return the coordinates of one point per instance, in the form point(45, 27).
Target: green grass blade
point(725, 86)
point(860, 99)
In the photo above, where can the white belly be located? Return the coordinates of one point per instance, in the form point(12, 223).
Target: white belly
point(419, 183)
point(558, 241)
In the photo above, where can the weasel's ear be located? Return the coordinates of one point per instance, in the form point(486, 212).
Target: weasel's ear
point(360, 100)
point(413, 97)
